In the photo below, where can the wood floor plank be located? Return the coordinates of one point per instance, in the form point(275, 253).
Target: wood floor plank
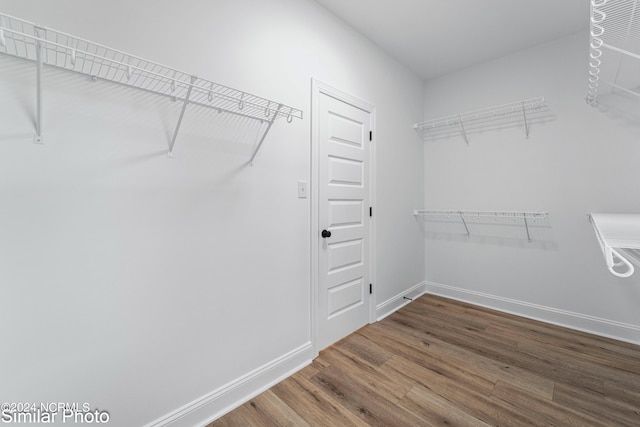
point(621, 394)
point(593, 350)
point(364, 348)
point(443, 362)
point(367, 374)
point(478, 405)
point(553, 334)
point(449, 316)
point(317, 407)
point(249, 414)
point(584, 372)
point(436, 410)
point(371, 407)
point(416, 353)
point(489, 368)
point(545, 411)
point(269, 409)
point(280, 410)
point(443, 327)
point(596, 405)
point(507, 354)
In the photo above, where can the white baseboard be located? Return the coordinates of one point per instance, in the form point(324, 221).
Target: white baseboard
point(398, 301)
point(213, 405)
point(581, 322)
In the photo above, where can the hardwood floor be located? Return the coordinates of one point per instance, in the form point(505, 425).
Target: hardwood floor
point(443, 362)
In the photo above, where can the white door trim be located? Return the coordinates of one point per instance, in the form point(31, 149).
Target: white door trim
point(317, 88)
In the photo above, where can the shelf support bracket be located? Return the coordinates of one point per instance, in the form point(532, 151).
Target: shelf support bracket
point(264, 135)
point(39, 33)
point(464, 223)
point(526, 226)
point(184, 108)
point(464, 131)
point(526, 124)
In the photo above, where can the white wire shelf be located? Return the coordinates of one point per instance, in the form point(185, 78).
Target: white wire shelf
point(619, 239)
point(498, 216)
point(52, 48)
point(614, 29)
point(461, 121)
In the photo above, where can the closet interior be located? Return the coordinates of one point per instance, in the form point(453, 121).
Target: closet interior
point(500, 172)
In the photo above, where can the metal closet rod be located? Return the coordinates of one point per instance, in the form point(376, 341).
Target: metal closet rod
point(46, 46)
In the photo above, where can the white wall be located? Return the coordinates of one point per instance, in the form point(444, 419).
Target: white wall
point(138, 283)
point(580, 160)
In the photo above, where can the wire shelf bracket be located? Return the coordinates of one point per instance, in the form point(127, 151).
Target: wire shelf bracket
point(184, 108)
point(37, 138)
point(466, 215)
point(51, 48)
point(512, 109)
point(619, 239)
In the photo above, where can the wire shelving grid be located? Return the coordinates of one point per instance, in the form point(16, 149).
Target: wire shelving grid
point(466, 216)
point(614, 27)
point(46, 46)
point(512, 109)
point(619, 239)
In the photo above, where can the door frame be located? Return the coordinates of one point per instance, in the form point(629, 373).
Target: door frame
point(318, 88)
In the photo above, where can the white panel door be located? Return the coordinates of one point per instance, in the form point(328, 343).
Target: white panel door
point(343, 216)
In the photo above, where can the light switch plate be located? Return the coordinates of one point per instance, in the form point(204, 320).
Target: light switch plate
point(303, 188)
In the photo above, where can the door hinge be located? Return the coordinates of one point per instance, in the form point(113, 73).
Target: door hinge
point(370, 211)
point(370, 135)
point(370, 288)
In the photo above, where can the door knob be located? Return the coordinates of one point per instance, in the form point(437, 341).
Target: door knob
point(326, 233)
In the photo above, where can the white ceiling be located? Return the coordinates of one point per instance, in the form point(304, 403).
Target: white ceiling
point(435, 37)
